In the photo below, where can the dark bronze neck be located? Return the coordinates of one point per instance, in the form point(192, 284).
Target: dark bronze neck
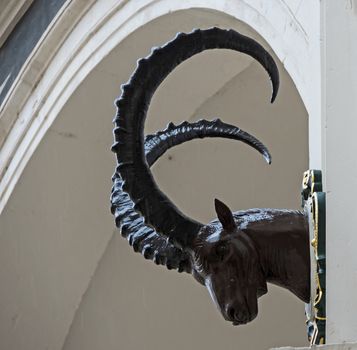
point(282, 241)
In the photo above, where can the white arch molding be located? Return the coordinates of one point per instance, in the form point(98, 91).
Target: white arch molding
point(101, 27)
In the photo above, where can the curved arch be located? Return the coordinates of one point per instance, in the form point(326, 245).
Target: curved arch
point(77, 56)
point(72, 64)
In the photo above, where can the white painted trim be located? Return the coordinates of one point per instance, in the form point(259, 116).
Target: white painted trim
point(342, 346)
point(97, 32)
point(10, 13)
point(37, 62)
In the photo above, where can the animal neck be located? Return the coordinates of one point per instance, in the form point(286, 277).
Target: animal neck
point(282, 241)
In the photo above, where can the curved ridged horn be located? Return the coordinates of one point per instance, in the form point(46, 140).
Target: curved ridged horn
point(133, 104)
point(141, 237)
point(174, 135)
point(144, 239)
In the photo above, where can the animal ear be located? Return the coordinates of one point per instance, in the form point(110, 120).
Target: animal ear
point(224, 215)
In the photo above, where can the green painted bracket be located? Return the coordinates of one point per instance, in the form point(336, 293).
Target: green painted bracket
point(314, 204)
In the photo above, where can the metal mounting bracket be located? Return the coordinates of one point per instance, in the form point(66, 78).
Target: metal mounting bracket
point(314, 204)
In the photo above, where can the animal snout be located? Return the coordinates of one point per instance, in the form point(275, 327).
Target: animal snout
point(231, 313)
point(237, 315)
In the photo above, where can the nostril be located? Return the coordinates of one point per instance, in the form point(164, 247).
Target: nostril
point(231, 313)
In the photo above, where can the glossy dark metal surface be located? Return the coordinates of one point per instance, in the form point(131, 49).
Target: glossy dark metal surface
point(236, 258)
point(155, 206)
point(143, 238)
point(237, 254)
point(155, 145)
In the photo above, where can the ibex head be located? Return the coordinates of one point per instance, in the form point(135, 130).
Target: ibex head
point(223, 255)
point(227, 263)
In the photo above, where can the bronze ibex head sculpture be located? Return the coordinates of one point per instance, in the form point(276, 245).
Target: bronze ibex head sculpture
point(237, 254)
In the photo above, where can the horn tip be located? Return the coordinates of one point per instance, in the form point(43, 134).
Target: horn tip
point(275, 87)
point(267, 158)
point(273, 97)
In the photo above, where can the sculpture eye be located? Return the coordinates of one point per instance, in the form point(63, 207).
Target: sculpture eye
point(221, 251)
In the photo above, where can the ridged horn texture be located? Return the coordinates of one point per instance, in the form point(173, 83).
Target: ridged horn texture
point(157, 144)
point(143, 238)
point(155, 206)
